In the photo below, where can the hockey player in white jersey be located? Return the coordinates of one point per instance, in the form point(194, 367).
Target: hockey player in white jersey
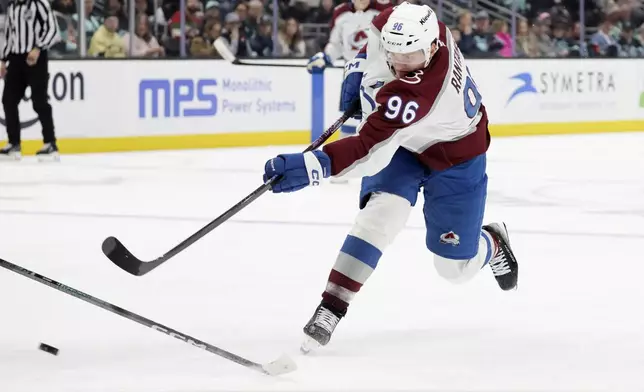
point(348, 35)
point(425, 128)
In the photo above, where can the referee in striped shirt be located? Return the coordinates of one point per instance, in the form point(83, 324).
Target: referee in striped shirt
point(30, 30)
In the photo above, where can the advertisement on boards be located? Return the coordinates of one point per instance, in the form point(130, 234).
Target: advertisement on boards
point(537, 91)
point(148, 98)
point(67, 91)
point(217, 97)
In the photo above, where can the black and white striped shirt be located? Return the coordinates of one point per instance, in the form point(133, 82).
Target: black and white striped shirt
point(29, 24)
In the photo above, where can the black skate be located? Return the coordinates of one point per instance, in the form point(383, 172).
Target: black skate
point(503, 263)
point(48, 152)
point(10, 152)
point(320, 327)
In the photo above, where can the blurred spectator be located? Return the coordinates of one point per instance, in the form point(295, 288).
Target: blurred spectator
point(202, 46)
point(541, 30)
point(615, 14)
point(235, 36)
point(613, 27)
point(262, 41)
point(242, 11)
point(577, 48)
point(255, 13)
point(144, 44)
point(484, 41)
point(300, 10)
point(324, 12)
point(213, 11)
point(456, 34)
point(526, 42)
point(500, 30)
point(143, 7)
point(602, 42)
point(115, 8)
point(193, 20)
point(467, 43)
point(212, 30)
point(65, 7)
point(561, 44)
point(629, 46)
point(559, 14)
point(289, 40)
point(92, 21)
point(199, 47)
point(67, 45)
point(106, 42)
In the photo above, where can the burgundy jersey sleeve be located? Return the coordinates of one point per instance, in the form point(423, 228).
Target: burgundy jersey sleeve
point(400, 105)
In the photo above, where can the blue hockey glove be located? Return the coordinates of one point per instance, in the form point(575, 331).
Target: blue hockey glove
point(350, 91)
point(298, 170)
point(318, 62)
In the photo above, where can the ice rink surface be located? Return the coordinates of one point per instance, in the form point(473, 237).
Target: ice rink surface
point(574, 206)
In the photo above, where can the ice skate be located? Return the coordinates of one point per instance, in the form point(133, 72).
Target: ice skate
point(503, 263)
point(10, 152)
point(48, 152)
point(320, 327)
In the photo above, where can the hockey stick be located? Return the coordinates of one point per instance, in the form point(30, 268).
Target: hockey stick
point(282, 365)
point(123, 258)
point(226, 54)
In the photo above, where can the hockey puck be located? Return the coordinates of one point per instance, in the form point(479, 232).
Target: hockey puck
point(48, 349)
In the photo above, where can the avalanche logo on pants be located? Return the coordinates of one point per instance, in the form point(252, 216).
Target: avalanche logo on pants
point(450, 238)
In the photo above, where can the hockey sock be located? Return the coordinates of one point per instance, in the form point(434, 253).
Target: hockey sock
point(355, 263)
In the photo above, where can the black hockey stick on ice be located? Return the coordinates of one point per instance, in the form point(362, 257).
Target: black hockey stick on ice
point(123, 258)
point(280, 366)
point(226, 54)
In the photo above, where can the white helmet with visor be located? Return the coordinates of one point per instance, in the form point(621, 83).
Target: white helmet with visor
point(408, 35)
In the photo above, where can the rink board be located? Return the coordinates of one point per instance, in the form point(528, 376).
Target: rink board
point(120, 105)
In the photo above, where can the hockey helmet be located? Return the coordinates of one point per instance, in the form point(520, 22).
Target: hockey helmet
point(408, 35)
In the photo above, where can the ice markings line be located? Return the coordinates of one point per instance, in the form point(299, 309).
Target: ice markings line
point(85, 215)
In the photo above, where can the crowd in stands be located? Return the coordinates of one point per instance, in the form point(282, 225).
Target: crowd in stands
point(545, 28)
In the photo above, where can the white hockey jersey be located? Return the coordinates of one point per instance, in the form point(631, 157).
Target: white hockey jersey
point(348, 29)
point(437, 112)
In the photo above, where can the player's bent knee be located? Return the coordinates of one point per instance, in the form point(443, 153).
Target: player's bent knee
point(455, 271)
point(380, 221)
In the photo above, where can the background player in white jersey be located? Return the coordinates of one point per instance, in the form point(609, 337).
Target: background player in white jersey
point(425, 128)
point(348, 35)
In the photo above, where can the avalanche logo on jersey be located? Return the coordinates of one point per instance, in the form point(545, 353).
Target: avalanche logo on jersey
point(450, 238)
point(359, 40)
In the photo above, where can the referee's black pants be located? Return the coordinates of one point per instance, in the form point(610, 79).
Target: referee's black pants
point(19, 76)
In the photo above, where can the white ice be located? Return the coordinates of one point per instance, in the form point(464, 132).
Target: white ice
point(574, 207)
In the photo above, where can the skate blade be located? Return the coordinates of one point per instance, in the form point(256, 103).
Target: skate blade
point(55, 157)
point(309, 344)
point(10, 158)
point(281, 365)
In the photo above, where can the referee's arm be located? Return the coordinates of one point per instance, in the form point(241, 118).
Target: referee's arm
point(4, 53)
point(46, 21)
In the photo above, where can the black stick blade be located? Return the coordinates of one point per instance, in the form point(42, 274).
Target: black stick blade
point(123, 258)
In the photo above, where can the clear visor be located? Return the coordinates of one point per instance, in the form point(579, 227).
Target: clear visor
point(413, 58)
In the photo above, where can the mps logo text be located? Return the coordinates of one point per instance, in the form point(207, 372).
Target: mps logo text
point(177, 98)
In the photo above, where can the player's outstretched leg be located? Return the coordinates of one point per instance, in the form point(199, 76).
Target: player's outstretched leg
point(503, 263)
point(454, 208)
point(377, 224)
